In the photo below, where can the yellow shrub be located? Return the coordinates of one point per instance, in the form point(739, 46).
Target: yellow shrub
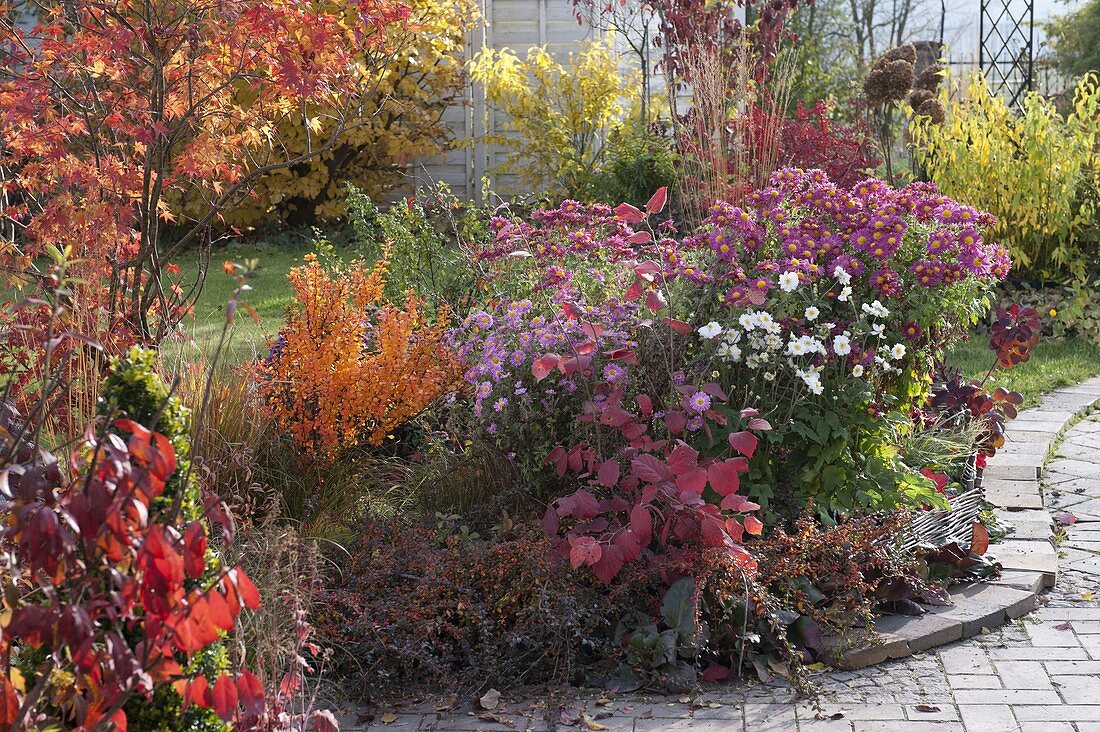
point(398, 120)
point(560, 113)
point(1036, 170)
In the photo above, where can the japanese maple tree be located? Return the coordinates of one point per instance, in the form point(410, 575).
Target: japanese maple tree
point(113, 110)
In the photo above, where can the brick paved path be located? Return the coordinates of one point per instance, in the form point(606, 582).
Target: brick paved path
point(1039, 674)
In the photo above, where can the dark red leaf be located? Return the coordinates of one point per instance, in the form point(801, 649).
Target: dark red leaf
point(656, 203)
point(744, 443)
point(223, 698)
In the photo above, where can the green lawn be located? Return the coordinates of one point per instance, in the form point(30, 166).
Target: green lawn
point(1054, 363)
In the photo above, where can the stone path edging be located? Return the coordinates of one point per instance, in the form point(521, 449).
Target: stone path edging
point(1030, 561)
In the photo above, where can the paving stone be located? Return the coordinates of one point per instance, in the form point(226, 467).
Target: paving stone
point(1027, 524)
point(1046, 727)
point(975, 615)
point(1023, 675)
point(1054, 712)
point(908, 727)
point(1007, 696)
point(1034, 556)
point(988, 717)
point(1030, 653)
point(1016, 602)
point(995, 472)
point(1030, 582)
point(965, 659)
point(921, 633)
point(770, 717)
point(1051, 634)
point(1072, 668)
point(1014, 494)
point(1050, 428)
point(975, 681)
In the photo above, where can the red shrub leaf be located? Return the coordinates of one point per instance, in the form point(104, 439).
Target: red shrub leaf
point(753, 525)
point(725, 476)
point(609, 563)
point(656, 203)
point(223, 698)
point(584, 550)
point(543, 365)
point(744, 443)
point(692, 482)
point(629, 214)
point(251, 693)
point(683, 459)
point(608, 474)
point(641, 523)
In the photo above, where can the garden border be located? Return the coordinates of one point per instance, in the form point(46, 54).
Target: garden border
point(1028, 555)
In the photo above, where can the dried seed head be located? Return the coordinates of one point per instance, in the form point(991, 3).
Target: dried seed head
point(930, 79)
point(890, 82)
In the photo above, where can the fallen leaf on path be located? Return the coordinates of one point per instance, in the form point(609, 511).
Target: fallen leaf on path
point(388, 718)
point(927, 708)
point(821, 716)
point(1064, 626)
point(490, 700)
point(592, 724)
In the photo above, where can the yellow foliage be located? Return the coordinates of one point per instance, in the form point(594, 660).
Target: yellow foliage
point(1036, 170)
point(559, 113)
point(349, 368)
point(398, 119)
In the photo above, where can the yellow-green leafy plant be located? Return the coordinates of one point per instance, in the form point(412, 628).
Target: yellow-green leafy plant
point(1036, 169)
point(559, 113)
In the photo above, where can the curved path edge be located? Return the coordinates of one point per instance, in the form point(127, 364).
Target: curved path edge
point(1013, 485)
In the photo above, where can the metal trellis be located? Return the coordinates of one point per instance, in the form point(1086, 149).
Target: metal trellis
point(1006, 46)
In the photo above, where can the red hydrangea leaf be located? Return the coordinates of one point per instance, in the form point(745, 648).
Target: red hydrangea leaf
point(640, 237)
point(735, 529)
point(683, 458)
point(629, 214)
point(633, 292)
point(713, 529)
point(656, 203)
point(759, 424)
point(645, 404)
point(614, 416)
point(550, 521)
point(608, 474)
point(715, 672)
point(979, 542)
point(738, 503)
point(585, 505)
point(322, 720)
point(641, 523)
point(649, 469)
point(251, 693)
point(744, 443)
point(609, 564)
point(628, 544)
point(655, 301)
point(725, 476)
point(677, 326)
point(543, 365)
point(9, 703)
point(250, 596)
point(584, 550)
point(223, 698)
point(194, 549)
point(693, 482)
point(218, 610)
point(676, 421)
point(753, 525)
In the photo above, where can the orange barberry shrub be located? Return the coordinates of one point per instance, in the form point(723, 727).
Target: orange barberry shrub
point(348, 367)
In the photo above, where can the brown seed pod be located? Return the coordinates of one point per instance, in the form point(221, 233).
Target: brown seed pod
point(918, 97)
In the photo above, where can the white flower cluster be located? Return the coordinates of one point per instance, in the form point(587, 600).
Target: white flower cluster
point(812, 379)
point(876, 309)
